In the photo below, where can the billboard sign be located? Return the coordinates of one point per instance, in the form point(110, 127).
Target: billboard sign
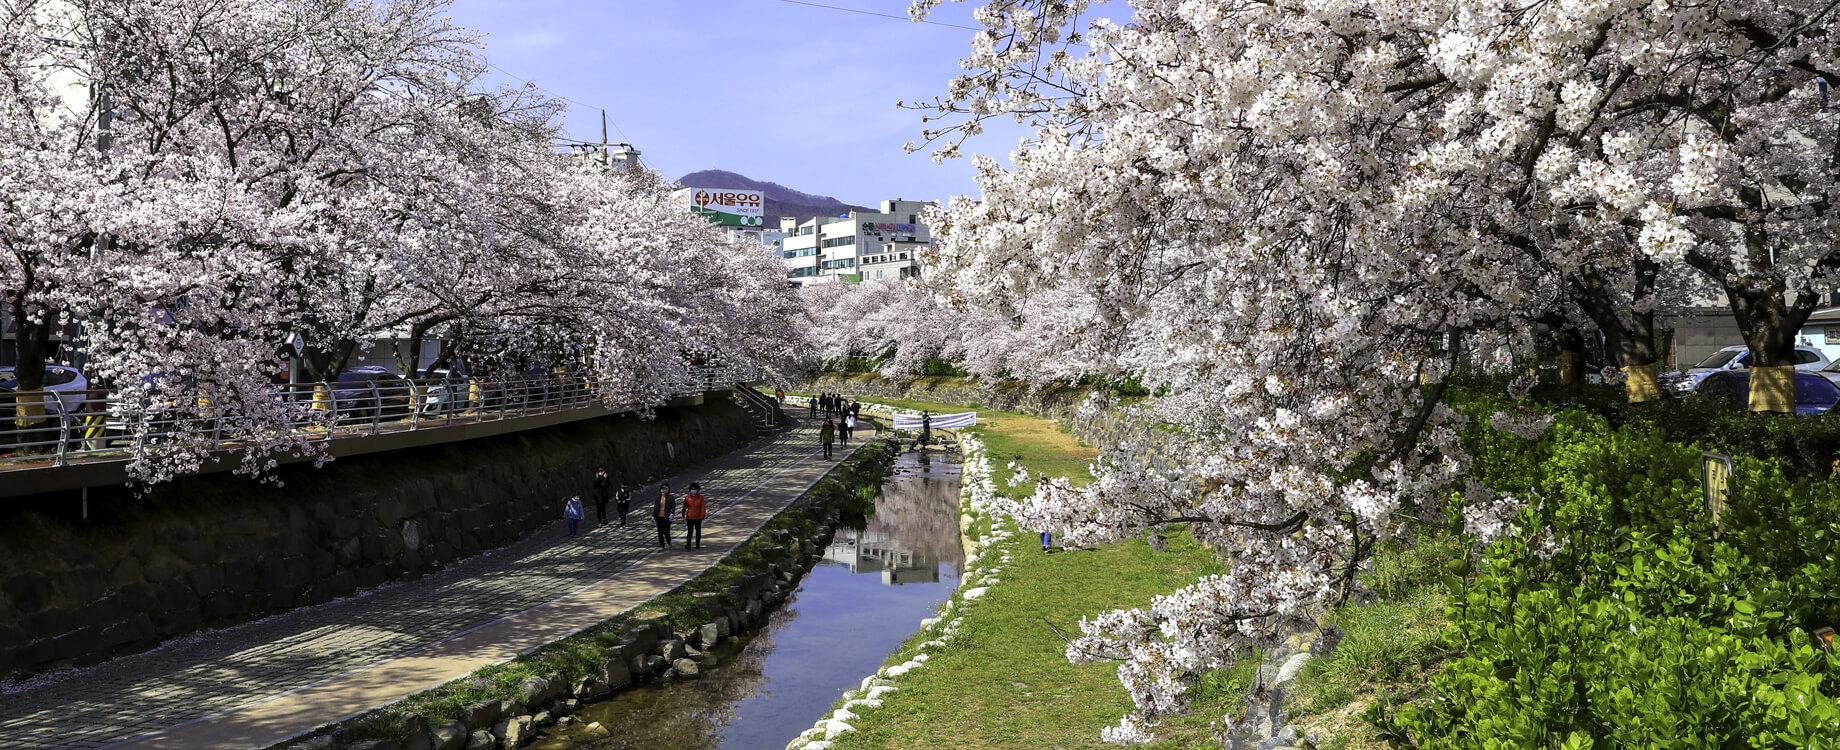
point(887, 228)
point(729, 208)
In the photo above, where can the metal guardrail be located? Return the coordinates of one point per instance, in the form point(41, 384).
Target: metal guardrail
point(74, 426)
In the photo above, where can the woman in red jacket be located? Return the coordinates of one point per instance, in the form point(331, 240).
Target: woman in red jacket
point(695, 510)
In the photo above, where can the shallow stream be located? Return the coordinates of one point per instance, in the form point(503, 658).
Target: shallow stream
point(856, 606)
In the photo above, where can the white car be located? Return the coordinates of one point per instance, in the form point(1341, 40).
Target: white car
point(1807, 359)
point(66, 385)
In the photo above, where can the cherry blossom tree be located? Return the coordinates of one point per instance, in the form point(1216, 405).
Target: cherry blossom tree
point(191, 183)
point(1290, 215)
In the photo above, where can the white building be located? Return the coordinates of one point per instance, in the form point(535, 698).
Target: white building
point(882, 245)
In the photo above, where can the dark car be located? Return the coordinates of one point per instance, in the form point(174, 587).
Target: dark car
point(356, 395)
point(1814, 395)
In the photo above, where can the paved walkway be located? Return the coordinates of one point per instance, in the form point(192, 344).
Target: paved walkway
point(258, 683)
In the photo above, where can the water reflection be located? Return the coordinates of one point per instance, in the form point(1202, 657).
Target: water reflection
point(838, 626)
point(911, 534)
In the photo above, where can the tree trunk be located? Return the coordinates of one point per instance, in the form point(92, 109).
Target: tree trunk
point(1769, 325)
point(324, 364)
point(1629, 339)
point(1571, 356)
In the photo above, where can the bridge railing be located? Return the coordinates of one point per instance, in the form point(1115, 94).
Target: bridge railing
point(69, 427)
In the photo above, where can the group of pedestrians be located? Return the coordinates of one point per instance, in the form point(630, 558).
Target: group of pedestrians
point(665, 510)
point(846, 414)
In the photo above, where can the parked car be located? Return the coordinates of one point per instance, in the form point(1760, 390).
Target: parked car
point(355, 395)
point(66, 385)
point(447, 390)
point(1814, 394)
point(1807, 359)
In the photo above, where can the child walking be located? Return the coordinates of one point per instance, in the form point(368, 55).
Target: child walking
point(572, 512)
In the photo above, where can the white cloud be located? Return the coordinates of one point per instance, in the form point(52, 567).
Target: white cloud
point(532, 40)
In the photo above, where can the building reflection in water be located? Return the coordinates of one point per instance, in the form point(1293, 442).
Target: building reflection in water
point(914, 529)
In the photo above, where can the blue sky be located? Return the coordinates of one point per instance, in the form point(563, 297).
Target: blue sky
point(799, 95)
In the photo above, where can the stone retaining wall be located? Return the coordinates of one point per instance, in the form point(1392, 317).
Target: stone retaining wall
point(1057, 402)
point(216, 550)
point(1105, 430)
point(543, 708)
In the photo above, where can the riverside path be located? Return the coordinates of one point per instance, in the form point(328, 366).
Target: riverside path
point(262, 682)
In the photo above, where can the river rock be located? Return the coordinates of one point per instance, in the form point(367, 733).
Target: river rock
point(565, 707)
point(416, 735)
point(513, 730)
point(450, 736)
point(615, 673)
point(686, 667)
point(482, 715)
point(723, 628)
point(651, 663)
point(709, 634)
point(593, 689)
point(542, 719)
point(481, 740)
point(536, 691)
point(596, 730)
point(671, 650)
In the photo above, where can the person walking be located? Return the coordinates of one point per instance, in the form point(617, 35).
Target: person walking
point(661, 515)
point(811, 406)
point(622, 502)
point(825, 435)
point(926, 428)
point(849, 427)
point(695, 510)
point(1047, 540)
point(572, 512)
point(779, 394)
point(603, 491)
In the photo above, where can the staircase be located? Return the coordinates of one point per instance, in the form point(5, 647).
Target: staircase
point(765, 410)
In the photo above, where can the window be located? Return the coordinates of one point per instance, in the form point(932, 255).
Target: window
point(1803, 357)
point(878, 274)
point(839, 241)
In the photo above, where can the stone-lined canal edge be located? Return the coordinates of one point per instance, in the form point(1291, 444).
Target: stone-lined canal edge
point(506, 705)
point(981, 530)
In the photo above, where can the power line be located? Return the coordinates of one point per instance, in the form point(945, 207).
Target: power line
point(882, 15)
point(521, 79)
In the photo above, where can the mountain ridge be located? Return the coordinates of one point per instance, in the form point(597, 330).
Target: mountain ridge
point(779, 199)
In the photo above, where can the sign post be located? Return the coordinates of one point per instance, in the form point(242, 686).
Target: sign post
point(1715, 485)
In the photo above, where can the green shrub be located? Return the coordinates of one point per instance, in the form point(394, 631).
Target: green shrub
point(1621, 615)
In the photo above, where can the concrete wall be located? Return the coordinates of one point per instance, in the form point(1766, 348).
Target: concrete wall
point(220, 549)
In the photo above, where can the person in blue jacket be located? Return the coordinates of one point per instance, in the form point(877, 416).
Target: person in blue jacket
point(572, 512)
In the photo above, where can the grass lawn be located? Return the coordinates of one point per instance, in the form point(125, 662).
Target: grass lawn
point(1005, 681)
point(1389, 649)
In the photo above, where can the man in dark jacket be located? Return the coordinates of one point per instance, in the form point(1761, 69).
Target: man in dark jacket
point(603, 491)
point(662, 509)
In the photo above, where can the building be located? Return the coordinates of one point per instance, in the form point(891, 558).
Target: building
point(882, 245)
